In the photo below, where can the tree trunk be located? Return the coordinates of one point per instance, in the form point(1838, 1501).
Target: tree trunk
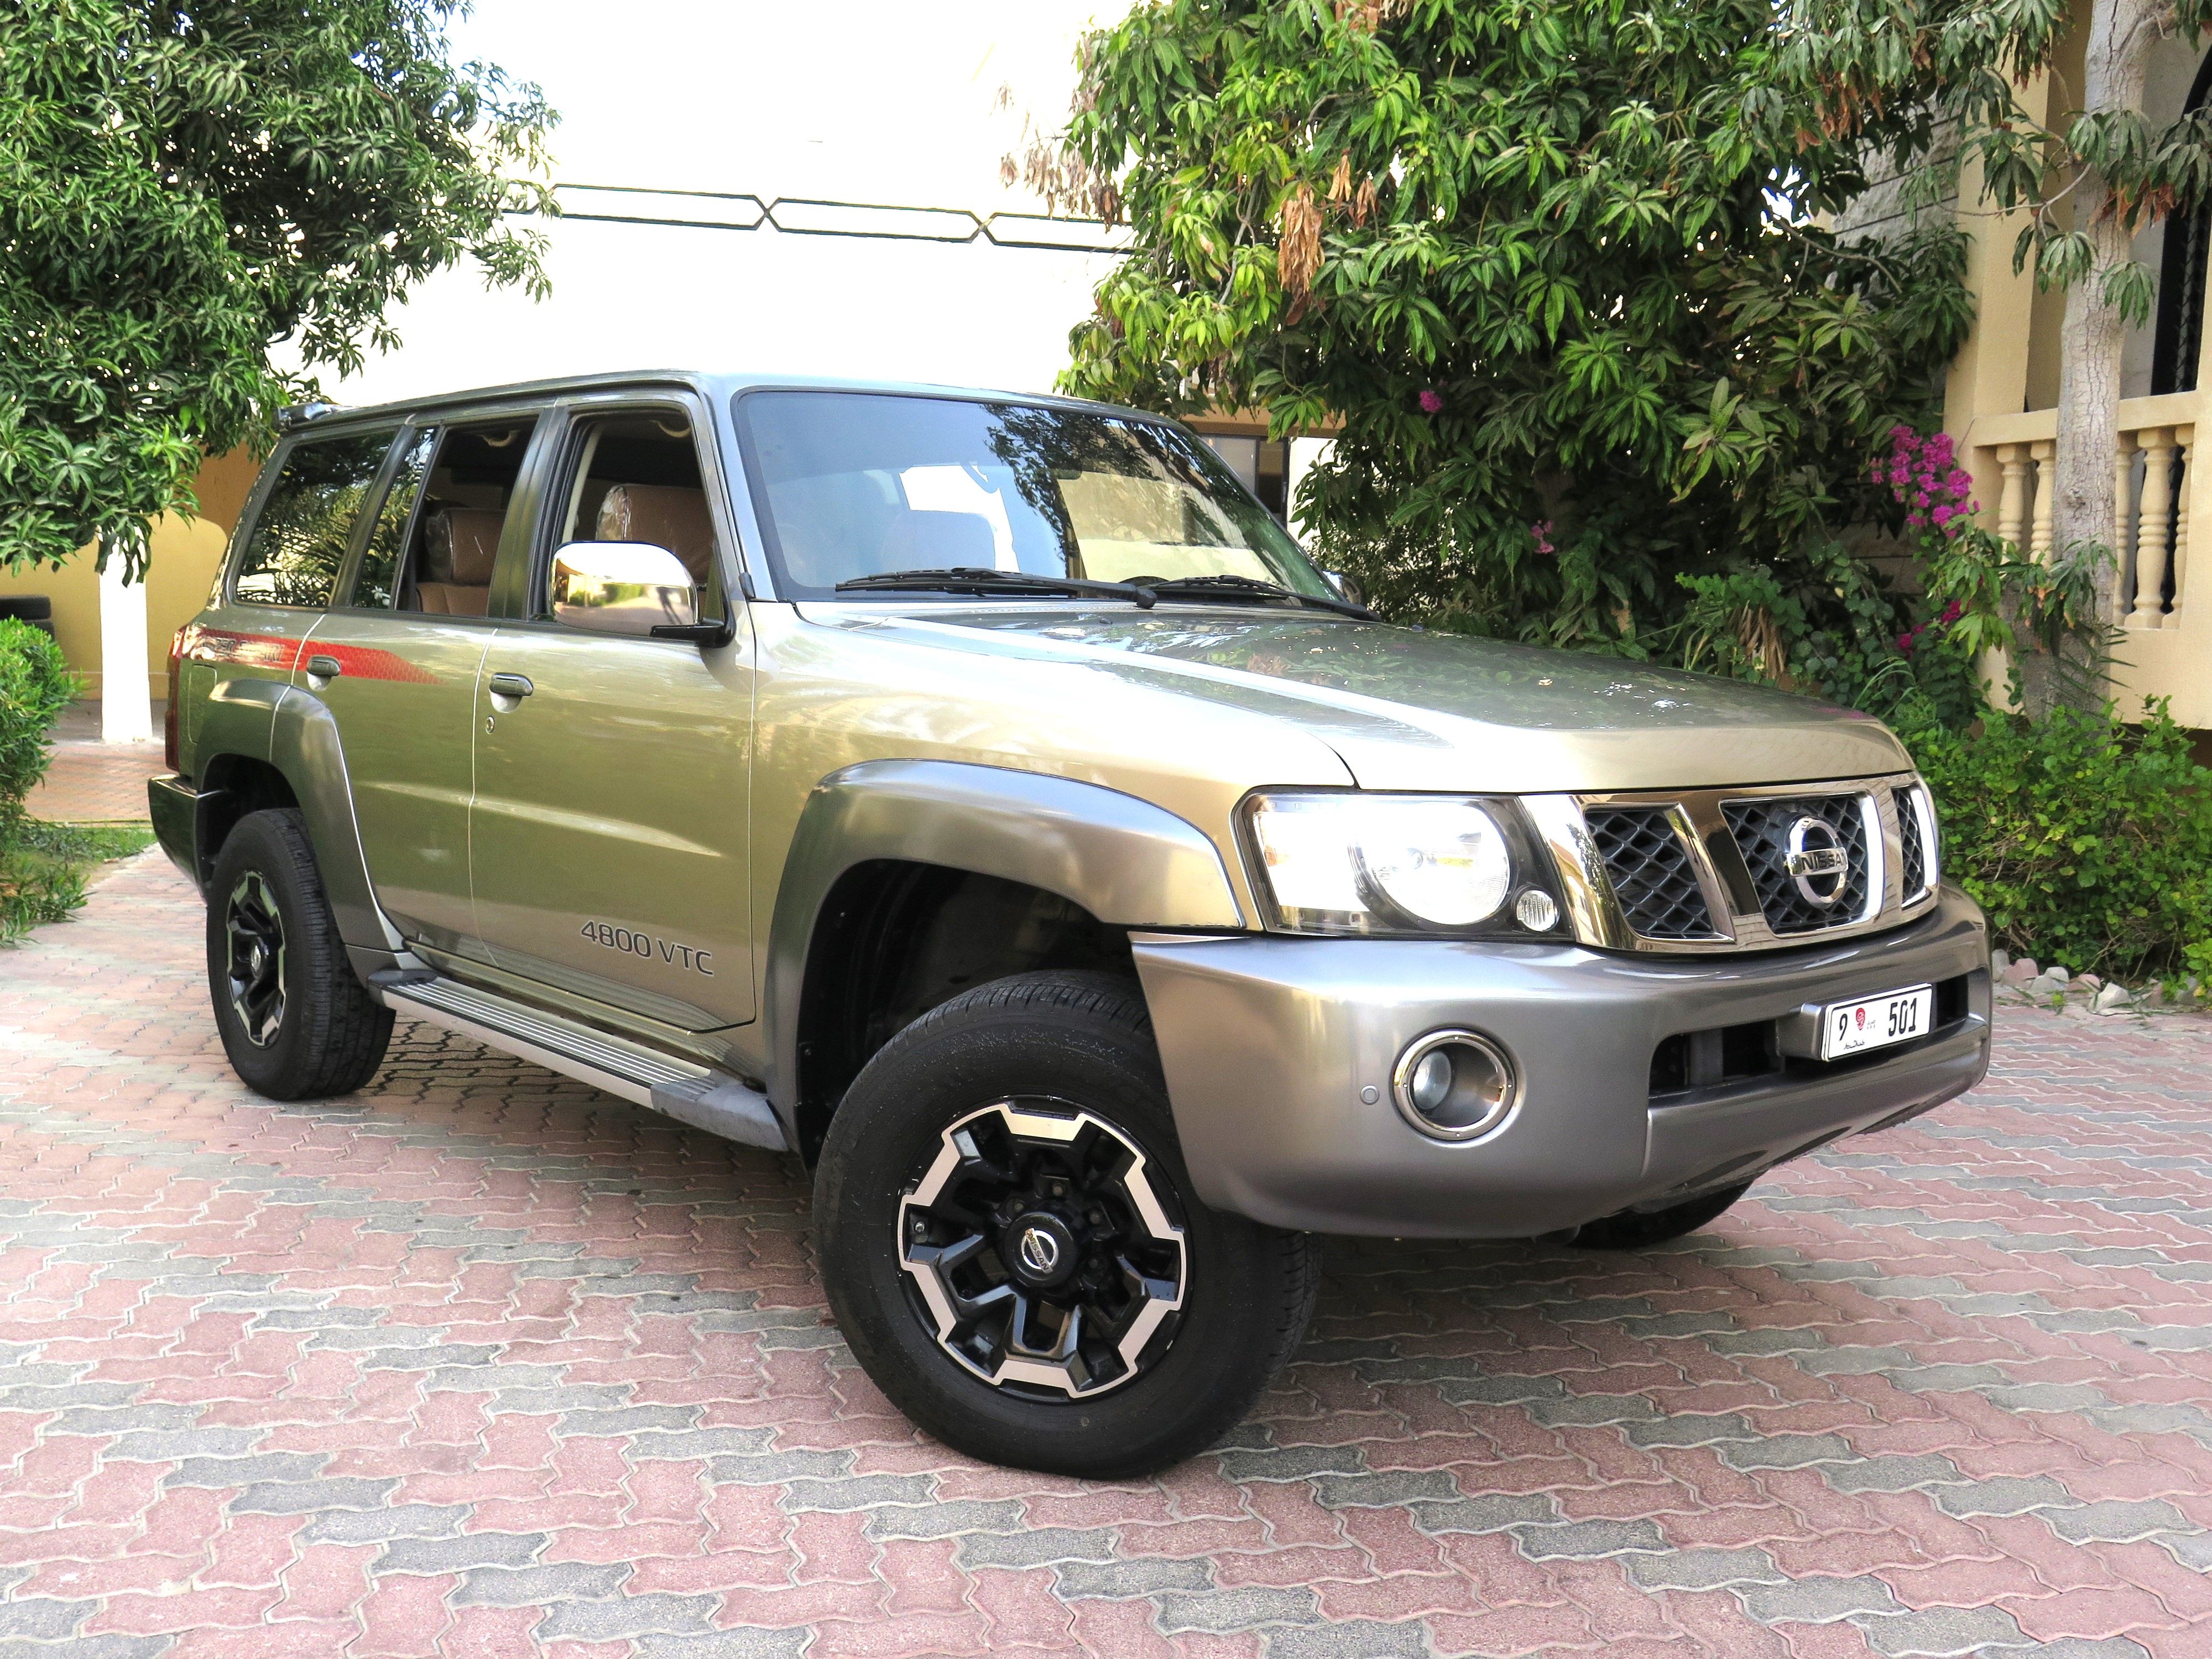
point(2121, 35)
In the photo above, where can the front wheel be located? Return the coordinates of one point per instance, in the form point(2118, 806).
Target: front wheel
point(1011, 1244)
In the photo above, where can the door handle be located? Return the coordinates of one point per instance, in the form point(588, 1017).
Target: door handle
point(325, 668)
point(511, 685)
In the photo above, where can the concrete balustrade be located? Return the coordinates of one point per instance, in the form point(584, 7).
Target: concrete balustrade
point(2014, 461)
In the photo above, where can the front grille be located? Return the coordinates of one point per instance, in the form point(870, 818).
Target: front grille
point(1762, 829)
point(1652, 872)
point(1912, 856)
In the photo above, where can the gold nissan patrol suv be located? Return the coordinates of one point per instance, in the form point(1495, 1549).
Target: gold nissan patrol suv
point(982, 798)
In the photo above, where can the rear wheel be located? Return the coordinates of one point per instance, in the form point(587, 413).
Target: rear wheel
point(1634, 1230)
point(1010, 1241)
point(296, 1021)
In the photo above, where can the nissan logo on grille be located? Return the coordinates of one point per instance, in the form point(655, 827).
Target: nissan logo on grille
point(1817, 862)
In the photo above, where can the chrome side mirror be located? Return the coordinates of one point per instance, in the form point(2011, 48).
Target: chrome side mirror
point(1347, 589)
point(621, 587)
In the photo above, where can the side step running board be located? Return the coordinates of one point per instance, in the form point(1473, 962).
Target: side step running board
point(689, 1093)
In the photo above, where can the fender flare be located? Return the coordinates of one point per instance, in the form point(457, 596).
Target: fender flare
point(1129, 863)
point(269, 721)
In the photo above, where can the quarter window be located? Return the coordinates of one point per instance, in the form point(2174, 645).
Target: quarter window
point(300, 539)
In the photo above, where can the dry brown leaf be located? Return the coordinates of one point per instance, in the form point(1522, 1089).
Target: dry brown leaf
point(1298, 253)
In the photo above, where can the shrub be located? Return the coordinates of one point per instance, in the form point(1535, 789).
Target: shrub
point(2089, 842)
point(35, 685)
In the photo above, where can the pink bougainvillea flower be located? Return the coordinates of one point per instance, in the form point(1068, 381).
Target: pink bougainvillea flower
point(1541, 530)
point(1432, 401)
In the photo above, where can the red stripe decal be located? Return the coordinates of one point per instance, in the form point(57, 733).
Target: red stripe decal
point(366, 662)
point(286, 656)
point(270, 651)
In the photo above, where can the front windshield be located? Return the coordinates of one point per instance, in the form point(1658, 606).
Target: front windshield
point(857, 484)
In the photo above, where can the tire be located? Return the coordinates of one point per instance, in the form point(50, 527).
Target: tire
point(1631, 1230)
point(296, 1021)
point(1071, 1054)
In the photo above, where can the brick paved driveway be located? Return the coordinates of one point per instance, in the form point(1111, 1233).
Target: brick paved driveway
point(482, 1363)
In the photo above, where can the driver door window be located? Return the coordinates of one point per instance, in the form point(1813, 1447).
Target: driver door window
point(637, 479)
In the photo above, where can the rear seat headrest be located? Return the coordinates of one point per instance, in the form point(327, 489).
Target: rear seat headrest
point(667, 515)
point(464, 544)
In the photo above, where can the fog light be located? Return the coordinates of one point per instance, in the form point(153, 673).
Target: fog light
point(1536, 910)
point(1454, 1085)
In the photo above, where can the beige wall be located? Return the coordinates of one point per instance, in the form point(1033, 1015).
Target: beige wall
point(186, 554)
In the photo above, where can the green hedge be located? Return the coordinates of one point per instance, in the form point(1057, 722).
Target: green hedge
point(35, 685)
point(2088, 841)
point(35, 884)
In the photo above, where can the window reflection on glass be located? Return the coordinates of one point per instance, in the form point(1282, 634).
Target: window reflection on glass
point(300, 538)
point(387, 537)
point(1262, 466)
point(851, 484)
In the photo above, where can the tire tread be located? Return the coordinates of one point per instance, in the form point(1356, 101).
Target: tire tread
point(347, 1029)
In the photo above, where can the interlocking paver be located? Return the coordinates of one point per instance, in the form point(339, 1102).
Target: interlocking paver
point(480, 1362)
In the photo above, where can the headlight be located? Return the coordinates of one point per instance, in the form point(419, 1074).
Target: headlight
point(1351, 863)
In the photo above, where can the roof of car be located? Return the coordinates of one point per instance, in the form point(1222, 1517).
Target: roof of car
point(714, 386)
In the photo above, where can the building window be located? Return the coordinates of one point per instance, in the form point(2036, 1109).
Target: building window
point(1264, 467)
point(2180, 324)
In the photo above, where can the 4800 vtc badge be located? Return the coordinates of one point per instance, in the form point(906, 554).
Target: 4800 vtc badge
point(638, 944)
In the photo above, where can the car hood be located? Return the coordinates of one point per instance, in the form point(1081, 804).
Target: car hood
point(1407, 708)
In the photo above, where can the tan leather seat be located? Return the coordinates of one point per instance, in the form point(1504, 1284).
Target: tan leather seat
point(666, 516)
point(460, 548)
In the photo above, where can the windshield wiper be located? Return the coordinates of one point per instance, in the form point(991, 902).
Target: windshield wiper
point(1246, 587)
point(971, 579)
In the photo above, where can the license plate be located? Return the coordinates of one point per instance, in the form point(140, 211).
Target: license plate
point(1852, 1028)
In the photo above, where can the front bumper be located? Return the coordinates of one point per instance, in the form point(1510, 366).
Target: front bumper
point(1268, 1041)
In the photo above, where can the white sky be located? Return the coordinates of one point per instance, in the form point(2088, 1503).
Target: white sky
point(855, 99)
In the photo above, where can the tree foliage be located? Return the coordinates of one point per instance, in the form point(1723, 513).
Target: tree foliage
point(1557, 266)
point(184, 190)
point(1900, 72)
point(2081, 162)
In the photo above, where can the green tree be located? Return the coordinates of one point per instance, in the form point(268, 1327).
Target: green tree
point(1558, 268)
point(185, 189)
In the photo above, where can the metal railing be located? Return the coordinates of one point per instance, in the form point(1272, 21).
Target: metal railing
point(808, 216)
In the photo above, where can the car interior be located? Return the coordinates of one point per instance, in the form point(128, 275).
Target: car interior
point(637, 479)
point(465, 507)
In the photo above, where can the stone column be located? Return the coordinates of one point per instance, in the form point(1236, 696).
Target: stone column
point(126, 697)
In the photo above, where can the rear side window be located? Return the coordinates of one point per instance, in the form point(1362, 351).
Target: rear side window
point(387, 537)
point(300, 536)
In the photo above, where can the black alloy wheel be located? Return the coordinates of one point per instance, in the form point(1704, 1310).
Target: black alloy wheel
point(296, 1019)
point(254, 970)
point(1041, 1252)
point(1014, 1247)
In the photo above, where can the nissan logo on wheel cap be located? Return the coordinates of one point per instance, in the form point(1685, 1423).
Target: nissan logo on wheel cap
point(1039, 1251)
point(1817, 862)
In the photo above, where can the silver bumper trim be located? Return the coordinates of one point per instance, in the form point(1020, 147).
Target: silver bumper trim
point(1277, 1054)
